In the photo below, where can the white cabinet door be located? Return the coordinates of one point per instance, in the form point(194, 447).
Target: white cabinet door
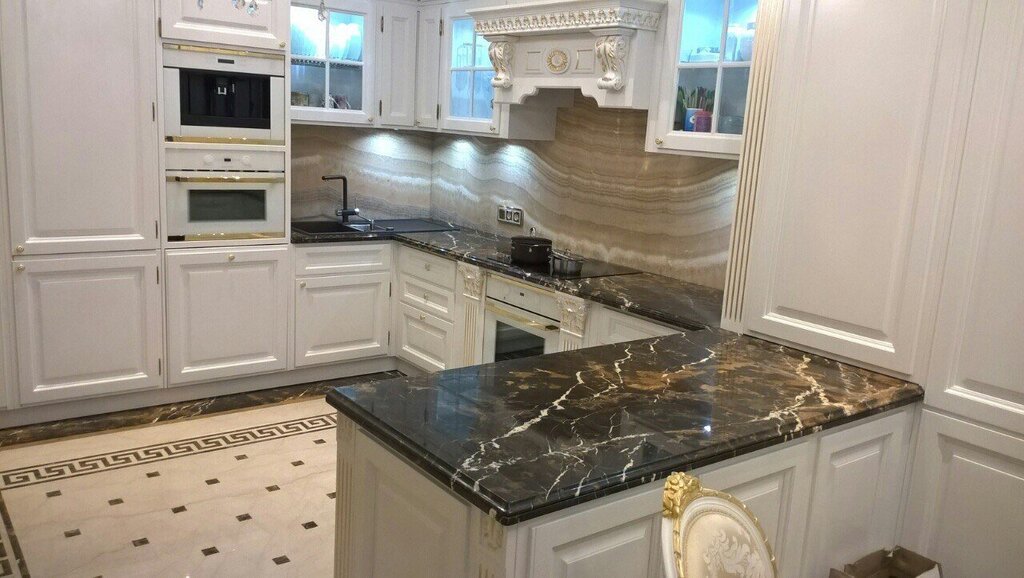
point(776, 486)
point(977, 361)
point(227, 312)
point(858, 484)
point(80, 121)
point(423, 340)
point(332, 82)
point(466, 72)
point(341, 317)
point(396, 78)
point(846, 199)
point(966, 507)
point(428, 66)
point(606, 326)
point(256, 23)
point(87, 326)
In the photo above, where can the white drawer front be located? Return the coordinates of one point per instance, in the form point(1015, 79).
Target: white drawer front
point(424, 340)
point(431, 268)
point(523, 296)
point(343, 258)
point(216, 159)
point(427, 296)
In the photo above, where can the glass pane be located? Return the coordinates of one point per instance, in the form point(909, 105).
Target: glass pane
point(309, 34)
point(462, 43)
point(734, 100)
point(346, 35)
point(346, 86)
point(739, 44)
point(483, 60)
point(307, 83)
point(696, 92)
point(702, 31)
point(460, 101)
point(483, 93)
point(206, 205)
point(514, 343)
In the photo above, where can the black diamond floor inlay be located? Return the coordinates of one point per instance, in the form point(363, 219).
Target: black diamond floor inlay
point(243, 517)
point(178, 509)
point(210, 551)
point(140, 542)
point(72, 533)
point(281, 560)
point(53, 494)
point(212, 481)
point(115, 501)
point(152, 474)
point(273, 488)
point(309, 525)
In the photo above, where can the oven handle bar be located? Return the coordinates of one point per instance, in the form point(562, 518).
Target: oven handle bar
point(225, 179)
point(518, 318)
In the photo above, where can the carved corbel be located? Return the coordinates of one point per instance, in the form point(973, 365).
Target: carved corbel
point(574, 314)
point(473, 281)
point(501, 51)
point(611, 51)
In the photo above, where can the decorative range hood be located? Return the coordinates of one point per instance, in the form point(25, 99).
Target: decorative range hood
point(602, 47)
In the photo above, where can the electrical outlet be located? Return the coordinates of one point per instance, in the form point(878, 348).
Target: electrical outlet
point(510, 215)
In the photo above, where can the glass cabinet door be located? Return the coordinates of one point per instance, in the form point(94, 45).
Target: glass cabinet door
point(467, 94)
point(330, 50)
point(715, 50)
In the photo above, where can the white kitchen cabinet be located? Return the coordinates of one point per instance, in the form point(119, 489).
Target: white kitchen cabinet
point(87, 325)
point(424, 340)
point(81, 138)
point(858, 485)
point(251, 23)
point(396, 81)
point(846, 215)
point(966, 506)
point(341, 317)
point(334, 62)
point(466, 73)
point(606, 326)
point(227, 312)
point(429, 39)
point(976, 366)
point(708, 52)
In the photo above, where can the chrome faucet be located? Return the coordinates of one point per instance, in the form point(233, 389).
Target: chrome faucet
point(344, 212)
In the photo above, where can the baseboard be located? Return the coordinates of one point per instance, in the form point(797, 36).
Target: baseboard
point(98, 405)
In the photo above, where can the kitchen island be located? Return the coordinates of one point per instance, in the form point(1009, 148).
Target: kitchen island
point(552, 465)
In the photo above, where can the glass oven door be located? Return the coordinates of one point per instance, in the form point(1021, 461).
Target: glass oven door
point(225, 207)
point(513, 333)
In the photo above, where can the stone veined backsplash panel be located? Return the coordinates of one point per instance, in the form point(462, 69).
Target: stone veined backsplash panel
point(593, 189)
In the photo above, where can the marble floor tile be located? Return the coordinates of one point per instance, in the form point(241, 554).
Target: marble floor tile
point(245, 493)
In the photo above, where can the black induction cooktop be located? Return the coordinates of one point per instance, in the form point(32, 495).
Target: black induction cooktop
point(591, 268)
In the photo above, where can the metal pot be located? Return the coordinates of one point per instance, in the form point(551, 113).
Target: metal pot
point(566, 264)
point(530, 250)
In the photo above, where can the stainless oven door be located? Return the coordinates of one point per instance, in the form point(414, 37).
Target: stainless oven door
point(225, 206)
point(514, 333)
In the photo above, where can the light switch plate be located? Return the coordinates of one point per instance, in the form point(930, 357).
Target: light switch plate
point(510, 215)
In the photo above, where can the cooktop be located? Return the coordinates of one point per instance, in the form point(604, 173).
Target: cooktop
point(591, 268)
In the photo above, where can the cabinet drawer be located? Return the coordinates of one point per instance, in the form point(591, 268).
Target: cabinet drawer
point(216, 159)
point(347, 258)
point(523, 296)
point(423, 339)
point(430, 268)
point(426, 296)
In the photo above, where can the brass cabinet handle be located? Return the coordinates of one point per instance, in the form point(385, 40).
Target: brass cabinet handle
point(282, 44)
point(302, 284)
point(231, 257)
point(659, 141)
point(19, 249)
point(19, 267)
point(225, 179)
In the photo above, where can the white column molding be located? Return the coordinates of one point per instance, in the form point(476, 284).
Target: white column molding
point(469, 316)
point(486, 545)
point(611, 48)
point(346, 434)
point(574, 321)
point(501, 51)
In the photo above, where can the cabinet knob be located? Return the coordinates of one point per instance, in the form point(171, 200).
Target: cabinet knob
point(423, 317)
point(426, 266)
point(416, 123)
point(659, 141)
point(494, 129)
point(19, 267)
point(19, 249)
point(369, 119)
point(425, 298)
point(282, 44)
point(302, 284)
point(231, 257)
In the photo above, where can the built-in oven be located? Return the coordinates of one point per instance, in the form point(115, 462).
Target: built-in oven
point(519, 321)
point(220, 95)
point(221, 206)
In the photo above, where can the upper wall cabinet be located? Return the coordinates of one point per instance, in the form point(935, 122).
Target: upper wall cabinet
point(709, 49)
point(81, 178)
point(849, 178)
point(467, 97)
point(333, 62)
point(249, 23)
point(428, 66)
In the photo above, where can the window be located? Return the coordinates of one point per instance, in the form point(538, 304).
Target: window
point(715, 50)
point(327, 58)
point(471, 73)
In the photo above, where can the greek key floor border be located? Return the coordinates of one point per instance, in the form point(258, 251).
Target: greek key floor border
point(63, 469)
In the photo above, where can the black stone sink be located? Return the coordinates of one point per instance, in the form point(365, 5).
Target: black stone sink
point(379, 226)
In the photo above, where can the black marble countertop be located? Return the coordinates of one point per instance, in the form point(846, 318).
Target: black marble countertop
point(670, 301)
point(527, 437)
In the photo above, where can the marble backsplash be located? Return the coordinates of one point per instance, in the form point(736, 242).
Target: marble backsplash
point(593, 189)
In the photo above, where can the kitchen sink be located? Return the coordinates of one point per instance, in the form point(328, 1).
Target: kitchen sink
point(379, 226)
